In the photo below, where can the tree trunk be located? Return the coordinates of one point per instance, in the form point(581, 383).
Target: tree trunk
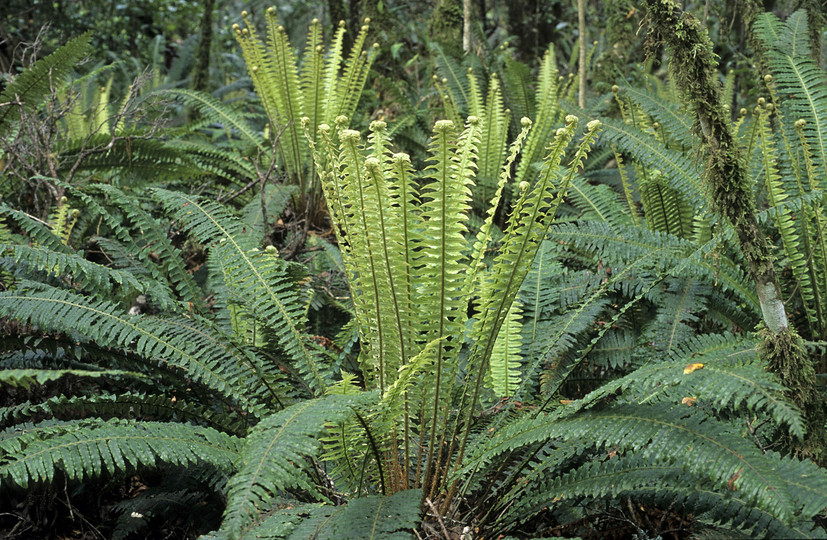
point(201, 72)
point(694, 69)
point(466, 26)
point(445, 26)
point(581, 26)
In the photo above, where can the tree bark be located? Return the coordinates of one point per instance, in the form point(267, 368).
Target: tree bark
point(201, 72)
point(581, 25)
point(445, 26)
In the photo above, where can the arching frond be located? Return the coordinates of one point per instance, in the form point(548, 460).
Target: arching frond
point(86, 449)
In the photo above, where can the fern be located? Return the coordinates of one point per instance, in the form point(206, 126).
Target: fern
point(272, 452)
point(256, 279)
point(28, 90)
point(187, 345)
point(94, 447)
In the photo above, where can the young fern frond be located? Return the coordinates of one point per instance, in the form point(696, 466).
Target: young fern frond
point(777, 198)
point(504, 366)
point(800, 82)
point(322, 89)
point(548, 111)
point(495, 123)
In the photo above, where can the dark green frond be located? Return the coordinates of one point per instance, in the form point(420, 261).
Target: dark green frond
point(216, 111)
point(274, 458)
point(28, 90)
point(257, 279)
point(178, 343)
point(86, 450)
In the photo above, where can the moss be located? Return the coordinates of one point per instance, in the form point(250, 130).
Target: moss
point(445, 26)
point(781, 352)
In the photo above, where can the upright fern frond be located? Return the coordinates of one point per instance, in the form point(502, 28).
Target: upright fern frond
point(321, 90)
point(801, 83)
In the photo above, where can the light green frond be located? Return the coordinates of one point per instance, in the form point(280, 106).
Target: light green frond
point(351, 83)
point(495, 123)
point(547, 97)
point(312, 80)
point(504, 369)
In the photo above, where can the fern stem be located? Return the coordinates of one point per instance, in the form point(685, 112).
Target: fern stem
point(374, 449)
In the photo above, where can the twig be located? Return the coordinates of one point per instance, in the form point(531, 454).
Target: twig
point(438, 518)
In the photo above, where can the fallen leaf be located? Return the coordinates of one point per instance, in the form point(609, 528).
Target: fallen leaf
point(692, 367)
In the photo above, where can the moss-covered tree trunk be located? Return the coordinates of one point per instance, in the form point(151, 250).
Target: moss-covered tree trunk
point(201, 72)
point(445, 26)
point(693, 66)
